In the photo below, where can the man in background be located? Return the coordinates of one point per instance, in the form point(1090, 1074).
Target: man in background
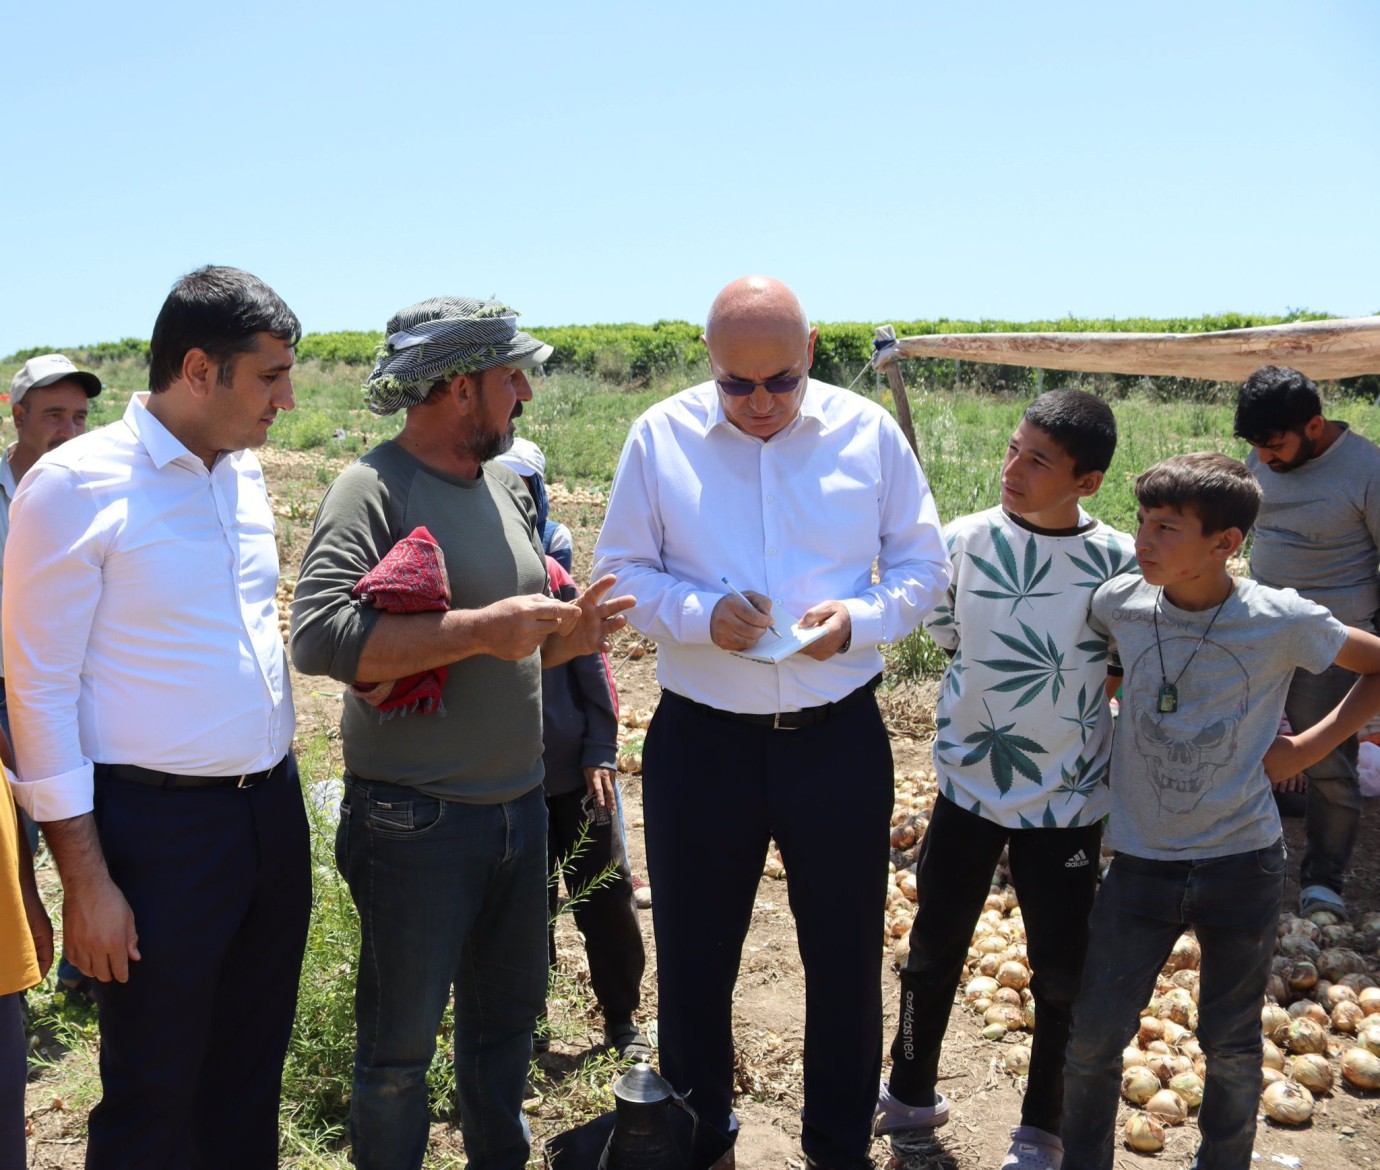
point(1318, 533)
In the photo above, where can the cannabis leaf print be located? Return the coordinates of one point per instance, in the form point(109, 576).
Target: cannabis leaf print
point(1006, 754)
point(1041, 664)
point(1082, 779)
point(1103, 562)
point(1089, 708)
point(1016, 583)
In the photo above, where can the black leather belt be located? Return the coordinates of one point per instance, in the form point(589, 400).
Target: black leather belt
point(782, 720)
point(137, 775)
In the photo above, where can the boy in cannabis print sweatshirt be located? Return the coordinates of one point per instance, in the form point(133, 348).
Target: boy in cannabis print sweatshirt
point(1024, 738)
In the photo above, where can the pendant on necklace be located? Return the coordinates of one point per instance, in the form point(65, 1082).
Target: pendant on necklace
point(1169, 699)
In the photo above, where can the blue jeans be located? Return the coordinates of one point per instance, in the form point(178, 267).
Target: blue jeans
point(448, 894)
point(1233, 904)
point(1334, 787)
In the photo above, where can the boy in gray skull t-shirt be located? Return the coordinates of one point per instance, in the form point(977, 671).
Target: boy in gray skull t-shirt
point(1208, 660)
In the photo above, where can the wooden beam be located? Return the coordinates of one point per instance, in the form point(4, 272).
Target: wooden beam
point(1323, 350)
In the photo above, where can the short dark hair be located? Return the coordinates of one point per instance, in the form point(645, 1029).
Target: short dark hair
point(219, 310)
point(1216, 488)
point(1273, 400)
point(1081, 423)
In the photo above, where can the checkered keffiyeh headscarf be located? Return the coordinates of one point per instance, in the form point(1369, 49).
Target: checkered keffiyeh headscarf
point(441, 337)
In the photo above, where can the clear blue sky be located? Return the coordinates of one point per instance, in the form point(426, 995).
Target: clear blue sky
point(621, 162)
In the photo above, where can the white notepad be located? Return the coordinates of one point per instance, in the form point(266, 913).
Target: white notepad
point(771, 648)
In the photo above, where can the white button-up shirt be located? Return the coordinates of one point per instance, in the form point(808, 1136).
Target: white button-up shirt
point(7, 489)
point(800, 517)
point(140, 624)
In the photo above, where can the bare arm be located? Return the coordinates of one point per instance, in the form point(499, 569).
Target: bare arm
point(1291, 754)
point(40, 926)
point(98, 931)
point(403, 644)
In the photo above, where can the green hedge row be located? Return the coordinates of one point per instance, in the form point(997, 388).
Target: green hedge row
point(631, 354)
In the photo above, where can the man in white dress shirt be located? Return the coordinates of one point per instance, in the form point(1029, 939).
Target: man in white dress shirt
point(790, 489)
point(153, 719)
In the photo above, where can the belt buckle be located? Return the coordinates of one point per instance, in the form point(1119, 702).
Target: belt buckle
point(777, 725)
point(240, 783)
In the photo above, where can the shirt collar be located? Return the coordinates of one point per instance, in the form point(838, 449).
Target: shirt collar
point(162, 445)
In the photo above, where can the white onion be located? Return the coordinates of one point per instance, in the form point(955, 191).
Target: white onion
point(1361, 1068)
point(1288, 1103)
point(1139, 1084)
point(1307, 1035)
point(1312, 1071)
point(1347, 1017)
point(1016, 1060)
point(1168, 1106)
point(1144, 1133)
point(1189, 1086)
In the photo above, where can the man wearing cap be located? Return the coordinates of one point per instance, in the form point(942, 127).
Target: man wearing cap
point(49, 401)
point(442, 834)
point(153, 724)
point(790, 489)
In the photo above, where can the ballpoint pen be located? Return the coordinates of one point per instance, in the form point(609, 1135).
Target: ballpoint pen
point(734, 590)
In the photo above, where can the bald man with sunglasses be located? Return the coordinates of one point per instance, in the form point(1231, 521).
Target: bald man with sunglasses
point(790, 489)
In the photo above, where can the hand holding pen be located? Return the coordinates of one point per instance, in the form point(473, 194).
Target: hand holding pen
point(739, 621)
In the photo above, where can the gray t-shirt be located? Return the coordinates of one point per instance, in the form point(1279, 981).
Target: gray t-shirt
point(1190, 784)
point(487, 747)
point(1319, 529)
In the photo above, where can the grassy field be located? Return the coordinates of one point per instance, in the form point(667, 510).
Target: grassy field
point(581, 423)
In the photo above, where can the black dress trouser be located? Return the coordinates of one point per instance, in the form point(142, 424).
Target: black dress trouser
point(192, 1047)
point(714, 792)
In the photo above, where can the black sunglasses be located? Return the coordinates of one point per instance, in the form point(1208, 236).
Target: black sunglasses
point(736, 388)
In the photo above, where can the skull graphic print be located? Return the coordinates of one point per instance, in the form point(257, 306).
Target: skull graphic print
point(1182, 754)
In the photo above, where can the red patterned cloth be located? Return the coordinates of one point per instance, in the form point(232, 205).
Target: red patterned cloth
point(410, 579)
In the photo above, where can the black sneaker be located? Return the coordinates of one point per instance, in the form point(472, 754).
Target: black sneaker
point(624, 1038)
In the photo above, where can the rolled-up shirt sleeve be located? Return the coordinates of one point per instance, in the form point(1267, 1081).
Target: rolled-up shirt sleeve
point(913, 569)
point(629, 547)
point(53, 567)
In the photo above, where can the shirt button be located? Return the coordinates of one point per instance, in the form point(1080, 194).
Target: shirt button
point(771, 552)
point(777, 601)
point(771, 499)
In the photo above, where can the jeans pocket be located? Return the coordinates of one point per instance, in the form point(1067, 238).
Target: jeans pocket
point(404, 818)
point(342, 835)
point(1273, 859)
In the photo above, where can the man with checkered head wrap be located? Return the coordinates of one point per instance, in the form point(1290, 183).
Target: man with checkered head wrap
point(443, 824)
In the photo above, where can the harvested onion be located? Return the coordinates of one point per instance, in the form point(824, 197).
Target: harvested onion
point(1189, 1086)
point(1312, 1071)
point(1168, 1106)
point(1139, 1084)
point(1288, 1103)
point(1144, 1133)
point(1361, 1068)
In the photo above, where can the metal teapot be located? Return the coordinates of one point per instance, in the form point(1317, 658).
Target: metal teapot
point(643, 1136)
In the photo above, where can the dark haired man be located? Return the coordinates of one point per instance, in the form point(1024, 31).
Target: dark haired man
point(1318, 533)
point(153, 720)
point(443, 825)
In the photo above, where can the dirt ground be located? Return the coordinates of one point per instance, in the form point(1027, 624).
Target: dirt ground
point(769, 1002)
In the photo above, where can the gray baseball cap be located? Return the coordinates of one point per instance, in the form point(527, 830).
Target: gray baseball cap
point(50, 368)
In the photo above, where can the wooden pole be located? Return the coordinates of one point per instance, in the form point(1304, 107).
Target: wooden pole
point(1321, 349)
point(887, 333)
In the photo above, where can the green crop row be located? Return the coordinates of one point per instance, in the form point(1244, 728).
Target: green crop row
point(637, 355)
